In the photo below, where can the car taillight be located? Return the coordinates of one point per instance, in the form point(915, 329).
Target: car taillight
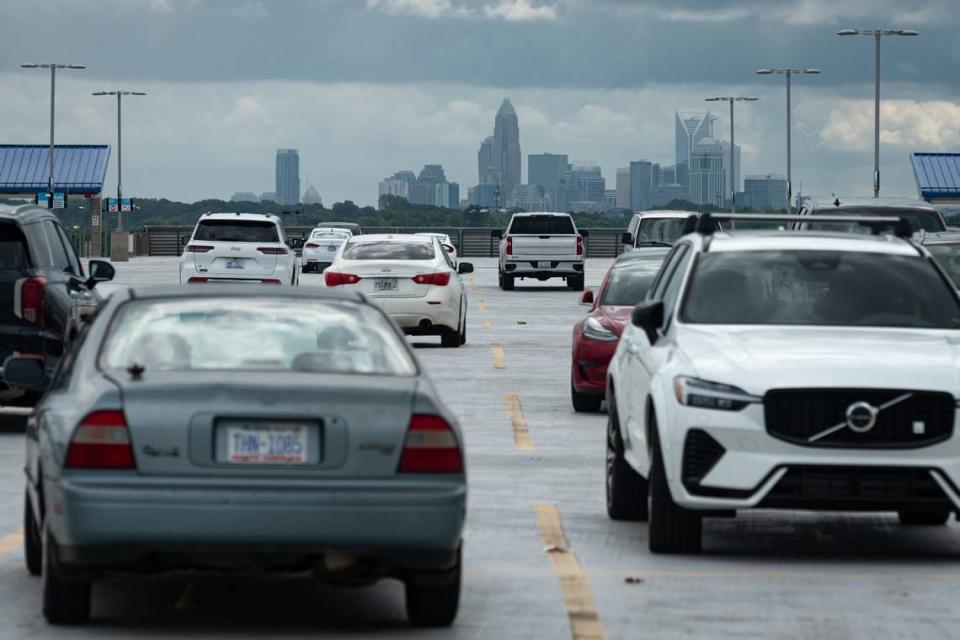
point(334, 279)
point(430, 447)
point(509, 245)
point(311, 245)
point(197, 248)
point(441, 279)
point(102, 441)
point(579, 245)
point(273, 251)
point(197, 279)
point(449, 248)
point(30, 296)
point(269, 281)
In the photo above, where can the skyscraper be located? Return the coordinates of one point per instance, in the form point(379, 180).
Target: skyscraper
point(763, 193)
point(506, 147)
point(288, 176)
point(709, 167)
point(546, 170)
point(691, 129)
point(399, 184)
point(643, 176)
point(623, 188)
point(486, 171)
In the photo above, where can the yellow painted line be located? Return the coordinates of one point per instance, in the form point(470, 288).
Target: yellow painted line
point(521, 434)
point(487, 325)
point(474, 287)
point(11, 542)
point(581, 609)
point(481, 305)
point(499, 360)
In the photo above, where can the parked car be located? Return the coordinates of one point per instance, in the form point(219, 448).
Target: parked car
point(655, 228)
point(313, 443)
point(321, 247)
point(595, 337)
point(352, 227)
point(786, 370)
point(541, 246)
point(45, 295)
point(944, 246)
point(446, 242)
point(922, 215)
point(239, 247)
point(411, 277)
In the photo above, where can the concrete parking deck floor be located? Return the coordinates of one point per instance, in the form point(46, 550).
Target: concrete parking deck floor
point(536, 482)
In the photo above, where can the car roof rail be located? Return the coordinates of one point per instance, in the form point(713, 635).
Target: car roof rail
point(704, 224)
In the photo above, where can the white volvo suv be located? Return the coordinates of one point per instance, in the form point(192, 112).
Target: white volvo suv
point(791, 370)
point(239, 247)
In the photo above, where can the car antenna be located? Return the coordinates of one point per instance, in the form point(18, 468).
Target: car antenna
point(136, 371)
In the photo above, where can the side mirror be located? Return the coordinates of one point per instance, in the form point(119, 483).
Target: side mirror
point(649, 317)
point(626, 238)
point(584, 233)
point(465, 267)
point(496, 233)
point(100, 271)
point(587, 298)
point(25, 373)
point(184, 240)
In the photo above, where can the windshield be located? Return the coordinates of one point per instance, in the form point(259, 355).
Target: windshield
point(948, 257)
point(542, 225)
point(660, 231)
point(389, 250)
point(627, 285)
point(329, 235)
point(236, 231)
point(262, 334)
point(819, 288)
point(919, 218)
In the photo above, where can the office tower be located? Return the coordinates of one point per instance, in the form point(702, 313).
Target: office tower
point(623, 188)
point(546, 170)
point(425, 188)
point(288, 176)
point(506, 147)
point(447, 195)
point(486, 171)
point(764, 192)
point(529, 197)
point(588, 180)
point(484, 195)
point(641, 184)
point(399, 184)
point(709, 181)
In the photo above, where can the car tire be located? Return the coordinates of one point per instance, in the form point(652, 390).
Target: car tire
point(673, 529)
point(64, 602)
point(32, 540)
point(626, 489)
point(463, 328)
point(923, 518)
point(450, 338)
point(576, 282)
point(434, 598)
point(508, 282)
point(585, 402)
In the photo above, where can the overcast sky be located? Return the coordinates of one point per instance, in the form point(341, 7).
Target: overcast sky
point(364, 88)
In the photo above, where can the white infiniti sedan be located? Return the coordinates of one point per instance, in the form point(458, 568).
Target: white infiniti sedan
point(321, 247)
point(413, 280)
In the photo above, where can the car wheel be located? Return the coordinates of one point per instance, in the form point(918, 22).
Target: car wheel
point(626, 489)
point(433, 599)
point(923, 518)
point(500, 278)
point(508, 282)
point(576, 282)
point(585, 402)
point(673, 529)
point(64, 602)
point(450, 338)
point(32, 542)
point(463, 327)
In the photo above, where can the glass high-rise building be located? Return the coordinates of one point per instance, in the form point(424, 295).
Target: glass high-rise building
point(288, 176)
point(709, 172)
point(506, 147)
point(691, 129)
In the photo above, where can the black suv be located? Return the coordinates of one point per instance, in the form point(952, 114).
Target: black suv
point(44, 294)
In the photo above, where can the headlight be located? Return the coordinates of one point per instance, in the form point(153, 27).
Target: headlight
point(594, 330)
point(711, 395)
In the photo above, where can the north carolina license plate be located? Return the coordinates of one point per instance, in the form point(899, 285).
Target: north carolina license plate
point(266, 443)
point(385, 284)
point(234, 264)
point(332, 247)
point(544, 264)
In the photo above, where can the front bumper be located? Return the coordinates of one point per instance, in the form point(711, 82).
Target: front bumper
point(590, 361)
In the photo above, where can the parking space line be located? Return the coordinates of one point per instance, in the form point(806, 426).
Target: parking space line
point(499, 360)
point(487, 325)
point(11, 542)
point(521, 434)
point(481, 305)
point(581, 608)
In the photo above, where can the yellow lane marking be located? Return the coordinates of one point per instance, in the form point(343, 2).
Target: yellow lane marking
point(581, 608)
point(474, 287)
point(11, 542)
point(487, 325)
point(521, 434)
point(499, 360)
point(481, 305)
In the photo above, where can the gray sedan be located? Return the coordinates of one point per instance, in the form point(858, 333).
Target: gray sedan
point(242, 429)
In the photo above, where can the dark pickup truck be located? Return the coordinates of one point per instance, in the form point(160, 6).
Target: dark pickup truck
point(44, 294)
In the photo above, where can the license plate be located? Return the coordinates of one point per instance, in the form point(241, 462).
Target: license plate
point(267, 443)
point(234, 264)
point(544, 264)
point(385, 284)
point(331, 247)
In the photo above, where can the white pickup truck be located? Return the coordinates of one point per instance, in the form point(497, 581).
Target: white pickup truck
point(541, 246)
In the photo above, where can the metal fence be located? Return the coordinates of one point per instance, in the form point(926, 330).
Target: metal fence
point(471, 242)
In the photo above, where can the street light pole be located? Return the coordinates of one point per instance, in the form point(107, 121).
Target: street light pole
point(119, 95)
point(733, 182)
point(788, 74)
point(53, 66)
point(877, 34)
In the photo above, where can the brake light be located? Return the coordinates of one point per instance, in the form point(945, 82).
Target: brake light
point(102, 441)
point(579, 245)
point(197, 279)
point(334, 279)
point(269, 281)
point(440, 279)
point(273, 251)
point(197, 248)
point(29, 299)
point(311, 245)
point(509, 245)
point(430, 447)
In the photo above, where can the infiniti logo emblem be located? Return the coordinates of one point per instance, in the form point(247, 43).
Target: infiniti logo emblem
point(386, 270)
point(861, 416)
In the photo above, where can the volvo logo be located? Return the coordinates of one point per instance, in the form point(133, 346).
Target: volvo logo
point(861, 416)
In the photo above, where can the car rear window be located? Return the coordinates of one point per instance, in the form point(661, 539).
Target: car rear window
point(627, 285)
point(389, 250)
point(13, 248)
point(237, 231)
point(542, 225)
point(919, 218)
point(264, 334)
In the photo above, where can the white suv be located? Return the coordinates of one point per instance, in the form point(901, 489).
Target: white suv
point(788, 370)
point(239, 247)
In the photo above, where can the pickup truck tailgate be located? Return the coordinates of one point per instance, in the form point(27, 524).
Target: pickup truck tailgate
point(544, 245)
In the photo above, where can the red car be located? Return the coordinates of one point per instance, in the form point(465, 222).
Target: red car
point(595, 337)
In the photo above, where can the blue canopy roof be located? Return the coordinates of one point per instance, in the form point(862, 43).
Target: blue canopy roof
point(78, 168)
point(937, 174)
